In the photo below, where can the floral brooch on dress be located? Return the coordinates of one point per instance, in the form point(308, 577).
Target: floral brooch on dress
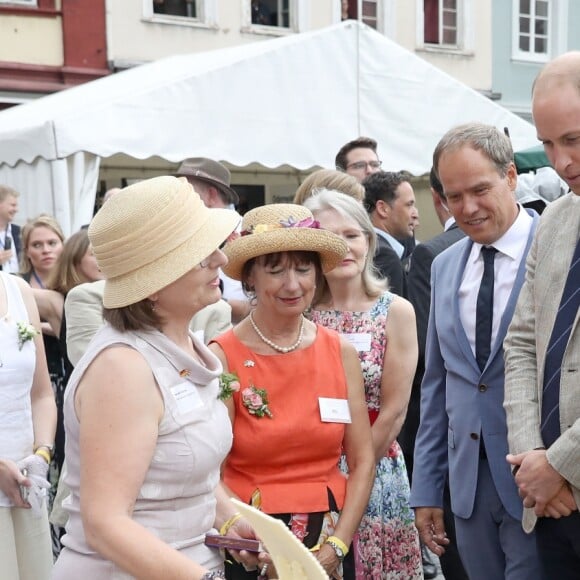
point(253, 398)
point(229, 384)
point(26, 332)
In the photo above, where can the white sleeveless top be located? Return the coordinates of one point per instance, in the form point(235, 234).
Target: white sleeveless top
point(16, 373)
point(176, 501)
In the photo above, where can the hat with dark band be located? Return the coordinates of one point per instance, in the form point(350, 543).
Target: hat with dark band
point(209, 171)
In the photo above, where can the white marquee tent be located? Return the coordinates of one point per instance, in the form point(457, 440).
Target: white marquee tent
point(287, 101)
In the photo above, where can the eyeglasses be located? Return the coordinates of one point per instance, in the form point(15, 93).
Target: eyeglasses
point(204, 263)
point(358, 165)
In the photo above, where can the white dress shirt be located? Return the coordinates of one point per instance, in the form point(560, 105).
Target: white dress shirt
point(12, 266)
point(510, 250)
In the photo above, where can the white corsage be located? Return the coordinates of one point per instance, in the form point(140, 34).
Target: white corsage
point(26, 332)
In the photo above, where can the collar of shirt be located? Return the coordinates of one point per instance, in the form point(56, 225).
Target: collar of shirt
point(393, 242)
point(513, 242)
point(449, 222)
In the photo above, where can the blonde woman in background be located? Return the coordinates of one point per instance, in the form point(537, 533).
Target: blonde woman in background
point(329, 179)
point(42, 243)
point(352, 300)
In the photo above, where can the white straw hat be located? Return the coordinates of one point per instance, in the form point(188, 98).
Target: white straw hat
point(282, 227)
point(150, 234)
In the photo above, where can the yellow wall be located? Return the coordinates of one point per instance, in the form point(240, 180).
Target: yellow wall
point(31, 40)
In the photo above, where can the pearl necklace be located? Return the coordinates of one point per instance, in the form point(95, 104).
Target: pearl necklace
point(282, 349)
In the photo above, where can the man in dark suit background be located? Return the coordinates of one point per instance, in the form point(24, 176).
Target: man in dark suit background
point(390, 203)
point(419, 294)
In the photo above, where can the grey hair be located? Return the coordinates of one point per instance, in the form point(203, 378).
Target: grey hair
point(487, 139)
point(350, 208)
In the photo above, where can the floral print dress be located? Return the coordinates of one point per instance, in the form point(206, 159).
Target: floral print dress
point(387, 543)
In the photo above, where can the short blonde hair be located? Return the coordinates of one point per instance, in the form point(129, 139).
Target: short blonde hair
point(329, 179)
point(42, 221)
point(7, 191)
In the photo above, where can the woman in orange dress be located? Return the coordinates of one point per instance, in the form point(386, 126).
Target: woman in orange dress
point(298, 397)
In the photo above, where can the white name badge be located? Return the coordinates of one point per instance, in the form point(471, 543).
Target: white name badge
point(334, 410)
point(360, 340)
point(186, 397)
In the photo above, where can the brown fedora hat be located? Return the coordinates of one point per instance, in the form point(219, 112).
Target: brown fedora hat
point(209, 171)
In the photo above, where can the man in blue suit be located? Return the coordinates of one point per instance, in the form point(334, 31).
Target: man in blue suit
point(462, 433)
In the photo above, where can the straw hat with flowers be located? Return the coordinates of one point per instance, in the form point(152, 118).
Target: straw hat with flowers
point(282, 227)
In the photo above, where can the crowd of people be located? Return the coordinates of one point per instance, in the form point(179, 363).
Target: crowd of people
point(385, 398)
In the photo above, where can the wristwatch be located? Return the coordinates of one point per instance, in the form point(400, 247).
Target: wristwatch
point(337, 549)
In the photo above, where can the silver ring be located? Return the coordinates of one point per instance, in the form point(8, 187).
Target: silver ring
point(264, 570)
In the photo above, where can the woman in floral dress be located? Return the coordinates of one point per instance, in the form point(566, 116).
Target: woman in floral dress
point(354, 302)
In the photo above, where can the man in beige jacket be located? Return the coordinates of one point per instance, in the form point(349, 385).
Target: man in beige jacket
point(84, 316)
point(542, 348)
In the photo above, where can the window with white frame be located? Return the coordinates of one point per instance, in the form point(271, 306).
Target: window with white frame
point(441, 22)
point(532, 26)
point(185, 8)
point(271, 13)
point(370, 11)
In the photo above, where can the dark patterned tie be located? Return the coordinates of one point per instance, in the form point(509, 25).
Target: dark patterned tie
point(567, 311)
point(484, 310)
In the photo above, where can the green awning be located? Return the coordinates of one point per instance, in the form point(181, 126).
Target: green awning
point(531, 159)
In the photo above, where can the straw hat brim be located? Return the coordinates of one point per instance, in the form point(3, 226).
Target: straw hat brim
point(144, 281)
point(331, 248)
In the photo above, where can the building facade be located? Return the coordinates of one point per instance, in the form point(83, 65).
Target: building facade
point(49, 45)
point(527, 34)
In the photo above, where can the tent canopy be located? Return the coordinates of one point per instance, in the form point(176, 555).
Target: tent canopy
point(286, 101)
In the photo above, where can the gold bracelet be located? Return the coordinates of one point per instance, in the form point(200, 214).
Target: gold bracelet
point(229, 523)
point(49, 448)
point(338, 542)
point(43, 453)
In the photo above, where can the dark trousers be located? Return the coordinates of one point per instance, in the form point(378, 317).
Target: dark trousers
point(451, 564)
point(558, 544)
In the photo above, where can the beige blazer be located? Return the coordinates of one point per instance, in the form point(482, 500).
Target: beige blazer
point(527, 340)
point(84, 316)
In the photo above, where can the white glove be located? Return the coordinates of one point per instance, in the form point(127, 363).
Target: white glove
point(35, 469)
point(34, 465)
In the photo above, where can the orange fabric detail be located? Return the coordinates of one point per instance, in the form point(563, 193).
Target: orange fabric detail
point(293, 457)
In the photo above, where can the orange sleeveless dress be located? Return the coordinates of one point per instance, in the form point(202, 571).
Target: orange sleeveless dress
point(290, 460)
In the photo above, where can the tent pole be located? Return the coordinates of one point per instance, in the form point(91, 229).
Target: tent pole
point(358, 33)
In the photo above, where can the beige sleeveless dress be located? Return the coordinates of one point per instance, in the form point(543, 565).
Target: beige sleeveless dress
point(176, 501)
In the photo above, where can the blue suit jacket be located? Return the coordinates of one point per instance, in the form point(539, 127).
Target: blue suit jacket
point(458, 401)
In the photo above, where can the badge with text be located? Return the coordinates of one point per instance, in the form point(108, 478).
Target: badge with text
point(360, 340)
point(334, 410)
point(186, 397)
